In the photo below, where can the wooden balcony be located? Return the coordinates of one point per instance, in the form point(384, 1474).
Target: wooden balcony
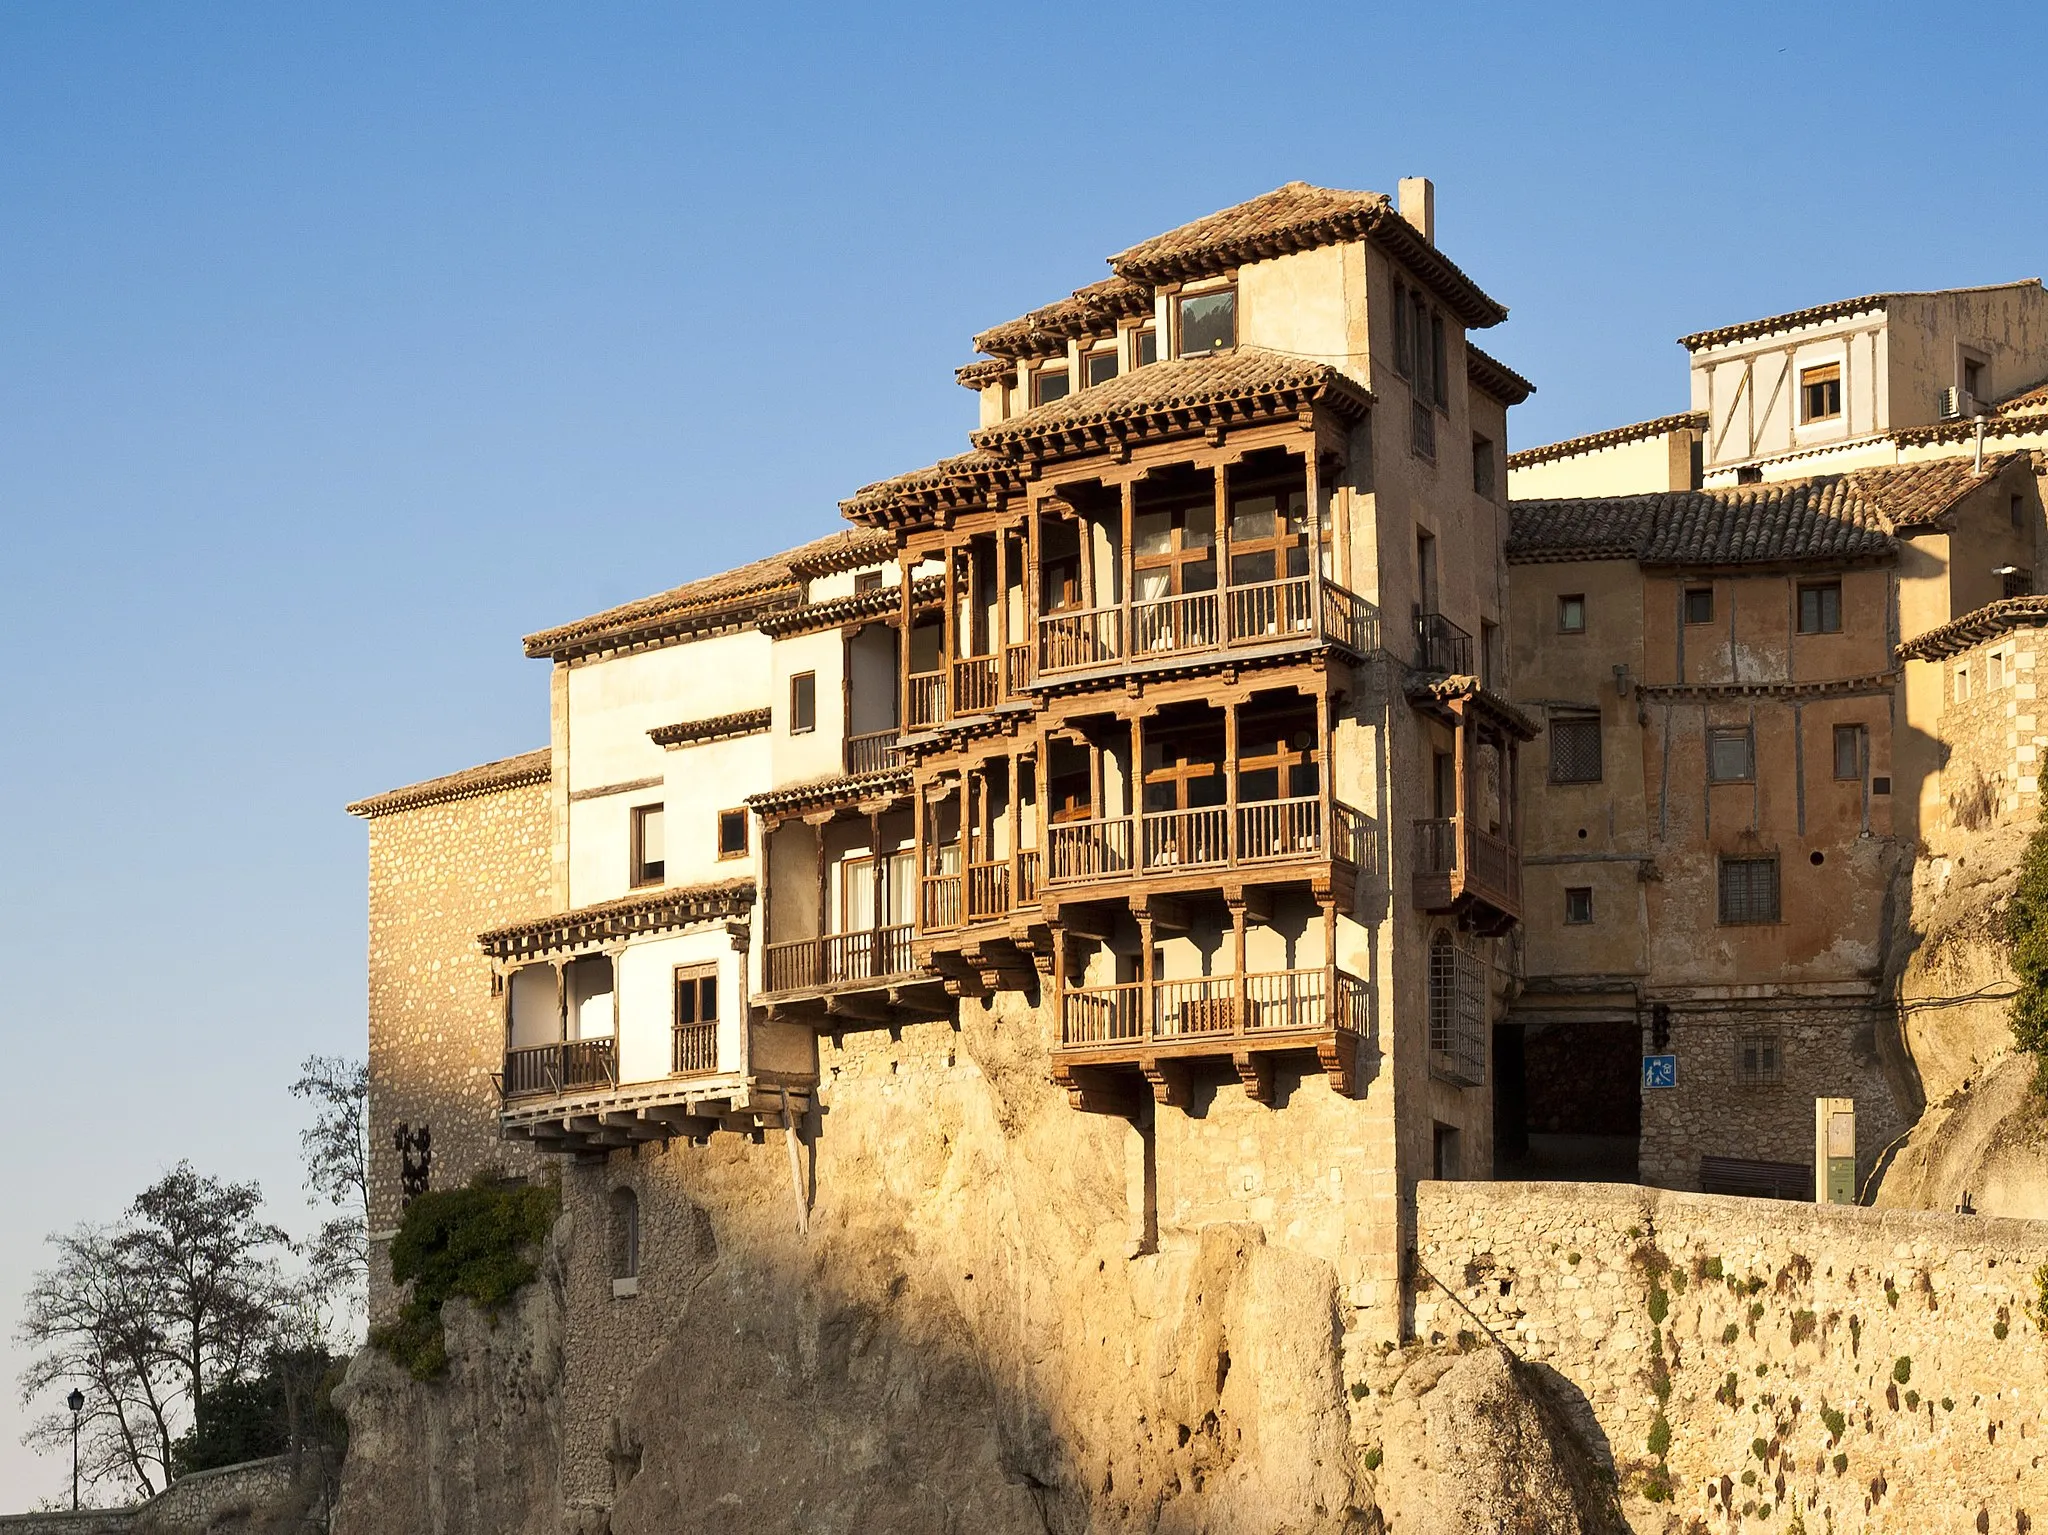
point(874, 752)
point(1165, 843)
point(1159, 1028)
point(1461, 869)
point(1196, 623)
point(838, 959)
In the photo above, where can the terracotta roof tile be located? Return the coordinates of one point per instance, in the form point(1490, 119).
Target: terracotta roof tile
point(728, 597)
point(832, 789)
point(2025, 402)
point(1613, 437)
point(1827, 517)
point(1818, 313)
point(488, 778)
point(720, 727)
point(644, 911)
point(1496, 377)
point(965, 478)
point(1977, 626)
point(1090, 311)
point(1298, 217)
point(989, 370)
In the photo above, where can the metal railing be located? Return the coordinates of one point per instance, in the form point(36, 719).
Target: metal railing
point(870, 954)
point(873, 752)
point(561, 1067)
point(977, 685)
point(1441, 646)
point(1221, 1007)
point(927, 698)
point(694, 1049)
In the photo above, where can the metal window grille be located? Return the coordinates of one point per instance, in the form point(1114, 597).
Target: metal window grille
point(1457, 1013)
point(1574, 751)
point(2019, 583)
point(1749, 890)
point(1422, 428)
point(1759, 1060)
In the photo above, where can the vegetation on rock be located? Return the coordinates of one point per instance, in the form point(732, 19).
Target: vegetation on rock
point(476, 1242)
point(2026, 930)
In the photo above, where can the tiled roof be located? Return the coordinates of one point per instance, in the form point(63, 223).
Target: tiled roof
point(988, 370)
point(836, 788)
point(487, 778)
point(720, 727)
point(1496, 377)
point(1613, 437)
point(1818, 313)
point(834, 611)
point(1452, 687)
point(730, 597)
point(964, 480)
point(1827, 517)
point(1298, 217)
point(2026, 402)
point(1090, 311)
point(647, 911)
point(1183, 394)
point(1973, 628)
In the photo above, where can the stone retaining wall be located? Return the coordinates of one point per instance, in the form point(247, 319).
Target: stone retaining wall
point(1751, 1360)
point(188, 1506)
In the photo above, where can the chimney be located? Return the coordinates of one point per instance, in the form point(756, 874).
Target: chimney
point(1418, 205)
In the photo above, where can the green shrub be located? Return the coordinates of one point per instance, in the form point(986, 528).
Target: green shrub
point(1730, 1333)
point(1373, 1458)
point(1912, 1401)
point(1726, 1394)
point(1660, 1304)
point(1660, 1380)
point(2037, 1308)
point(2026, 930)
point(1804, 1325)
point(1840, 1463)
point(1572, 1258)
point(1948, 1404)
point(1902, 1368)
point(1659, 1442)
point(1656, 1485)
point(475, 1242)
point(1760, 1448)
point(1835, 1423)
point(1360, 1391)
point(1756, 1312)
point(1710, 1268)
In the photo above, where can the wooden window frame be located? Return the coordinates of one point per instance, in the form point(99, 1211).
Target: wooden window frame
point(1820, 376)
point(1183, 298)
point(746, 833)
point(1565, 599)
point(1404, 334)
point(1860, 734)
point(1038, 377)
point(1687, 605)
point(645, 874)
point(1741, 733)
point(1140, 334)
point(866, 581)
point(799, 725)
point(1820, 589)
point(1089, 360)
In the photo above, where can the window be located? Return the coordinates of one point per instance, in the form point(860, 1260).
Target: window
point(696, 1021)
point(1820, 392)
point(1699, 604)
point(1047, 385)
point(1421, 429)
point(1146, 342)
point(1483, 472)
point(732, 834)
point(1849, 752)
point(1759, 1060)
point(1418, 325)
point(1571, 614)
point(1749, 890)
point(1098, 367)
point(1208, 322)
point(803, 703)
point(1963, 683)
point(625, 1239)
point(867, 581)
point(649, 863)
point(1404, 339)
point(1973, 378)
point(1578, 904)
point(1439, 375)
point(1575, 749)
point(1820, 608)
point(1457, 1013)
point(1731, 756)
point(2018, 582)
point(2019, 512)
point(1749, 474)
point(1994, 670)
point(1444, 1156)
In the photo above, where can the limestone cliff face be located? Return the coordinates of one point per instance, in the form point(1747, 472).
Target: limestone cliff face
point(994, 1322)
point(1979, 1137)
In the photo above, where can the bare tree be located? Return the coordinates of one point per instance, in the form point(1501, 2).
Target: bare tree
point(336, 1151)
point(95, 1320)
point(203, 1242)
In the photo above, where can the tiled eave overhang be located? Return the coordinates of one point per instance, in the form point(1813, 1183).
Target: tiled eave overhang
point(720, 727)
point(612, 921)
point(1613, 437)
point(721, 616)
point(1438, 693)
point(968, 482)
point(534, 767)
point(988, 370)
point(1977, 626)
point(1492, 376)
point(861, 788)
point(883, 602)
point(1718, 692)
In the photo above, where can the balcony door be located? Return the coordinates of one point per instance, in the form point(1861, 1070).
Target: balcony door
point(1268, 535)
point(876, 892)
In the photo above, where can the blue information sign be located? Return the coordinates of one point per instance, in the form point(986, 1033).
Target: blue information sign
point(1660, 1071)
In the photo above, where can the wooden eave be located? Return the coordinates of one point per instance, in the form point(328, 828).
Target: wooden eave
point(720, 727)
point(887, 786)
point(1444, 697)
point(879, 606)
point(1120, 433)
point(726, 615)
point(1495, 378)
point(1717, 692)
point(632, 916)
point(1975, 627)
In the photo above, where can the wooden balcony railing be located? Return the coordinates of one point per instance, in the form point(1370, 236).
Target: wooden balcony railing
point(1257, 613)
point(1211, 837)
point(1088, 849)
point(1270, 610)
point(565, 1066)
point(1281, 828)
point(927, 700)
point(1223, 1008)
point(1028, 872)
point(988, 890)
point(939, 904)
point(977, 685)
point(1070, 640)
point(870, 955)
point(694, 1049)
point(874, 752)
point(1441, 646)
point(1455, 859)
point(1163, 624)
point(1182, 839)
point(1016, 670)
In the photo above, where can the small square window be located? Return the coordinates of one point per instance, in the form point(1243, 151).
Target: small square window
point(1047, 385)
point(1571, 614)
point(1994, 669)
point(649, 862)
point(1820, 608)
point(1759, 1060)
point(1849, 752)
point(1820, 392)
point(1484, 475)
point(1208, 322)
point(1098, 367)
point(1963, 683)
point(1731, 756)
point(867, 581)
point(1749, 890)
point(2018, 582)
point(1699, 604)
point(1575, 750)
point(732, 834)
point(803, 703)
point(1578, 904)
point(1147, 343)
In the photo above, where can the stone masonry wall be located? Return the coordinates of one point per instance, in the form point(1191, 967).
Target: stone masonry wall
point(1994, 737)
point(1853, 1369)
point(203, 1501)
point(439, 875)
point(1825, 1052)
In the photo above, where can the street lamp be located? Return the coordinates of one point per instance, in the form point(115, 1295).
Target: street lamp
point(76, 1402)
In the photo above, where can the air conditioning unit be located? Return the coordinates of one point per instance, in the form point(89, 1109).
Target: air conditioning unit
point(1957, 404)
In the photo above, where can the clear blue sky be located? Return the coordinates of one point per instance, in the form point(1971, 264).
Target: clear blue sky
point(342, 345)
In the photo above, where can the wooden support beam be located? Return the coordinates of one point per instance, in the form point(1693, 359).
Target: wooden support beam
point(1338, 1052)
point(1169, 1079)
point(1255, 1070)
point(1097, 1090)
point(1165, 913)
point(861, 1006)
point(680, 1119)
point(924, 1000)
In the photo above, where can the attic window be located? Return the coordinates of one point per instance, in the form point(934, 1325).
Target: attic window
point(1047, 385)
point(1699, 604)
point(1208, 322)
point(1820, 392)
point(1099, 367)
point(867, 581)
point(1145, 346)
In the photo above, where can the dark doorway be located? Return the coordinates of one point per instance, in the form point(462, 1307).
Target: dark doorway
point(1567, 1101)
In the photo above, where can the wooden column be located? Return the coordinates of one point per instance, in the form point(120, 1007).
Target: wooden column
point(1145, 976)
point(561, 969)
point(1312, 484)
point(1134, 791)
point(1340, 537)
point(905, 565)
point(1462, 855)
point(1326, 765)
point(949, 641)
point(1221, 491)
point(1230, 838)
point(824, 889)
point(1126, 559)
point(1237, 959)
point(879, 891)
point(917, 857)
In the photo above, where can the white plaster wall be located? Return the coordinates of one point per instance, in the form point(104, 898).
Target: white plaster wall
point(1626, 469)
point(614, 702)
point(647, 1000)
point(817, 753)
point(702, 781)
point(872, 672)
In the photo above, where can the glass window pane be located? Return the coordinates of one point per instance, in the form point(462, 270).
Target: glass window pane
point(1050, 386)
point(651, 850)
point(1101, 368)
point(1148, 347)
point(1208, 323)
point(707, 999)
point(1253, 517)
point(1152, 532)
